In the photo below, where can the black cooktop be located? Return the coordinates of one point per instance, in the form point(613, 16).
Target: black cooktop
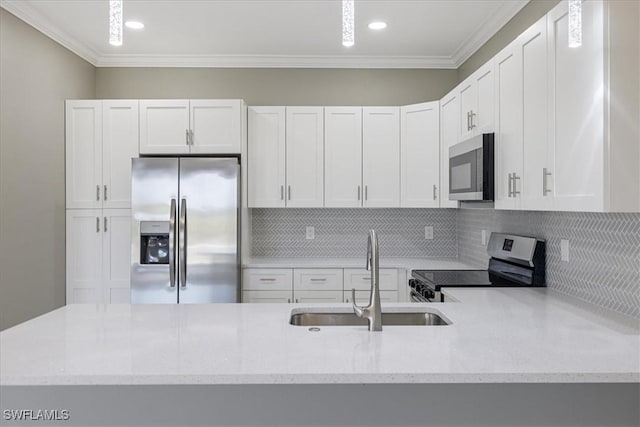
point(437, 279)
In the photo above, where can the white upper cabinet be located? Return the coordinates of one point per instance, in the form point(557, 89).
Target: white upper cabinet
point(266, 157)
point(83, 166)
point(343, 157)
point(508, 130)
point(101, 139)
point(164, 126)
point(420, 155)
point(216, 126)
point(119, 146)
point(594, 148)
point(181, 126)
point(449, 135)
point(381, 156)
point(476, 102)
point(305, 156)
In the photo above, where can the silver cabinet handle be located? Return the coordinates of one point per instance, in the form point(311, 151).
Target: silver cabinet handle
point(105, 224)
point(510, 192)
point(468, 120)
point(282, 192)
point(172, 244)
point(97, 193)
point(545, 174)
point(288, 300)
point(515, 186)
point(366, 278)
point(318, 280)
point(435, 189)
point(183, 243)
point(296, 300)
point(366, 192)
point(265, 279)
point(190, 137)
point(358, 192)
point(471, 114)
point(186, 136)
point(105, 192)
point(289, 191)
point(97, 224)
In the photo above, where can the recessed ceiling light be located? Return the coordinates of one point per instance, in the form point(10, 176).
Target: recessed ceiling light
point(134, 25)
point(377, 25)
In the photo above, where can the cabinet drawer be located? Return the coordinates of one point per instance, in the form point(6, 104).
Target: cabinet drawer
point(362, 297)
point(306, 279)
point(267, 279)
point(272, 297)
point(360, 279)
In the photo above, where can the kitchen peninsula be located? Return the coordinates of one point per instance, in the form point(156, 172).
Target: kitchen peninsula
point(242, 364)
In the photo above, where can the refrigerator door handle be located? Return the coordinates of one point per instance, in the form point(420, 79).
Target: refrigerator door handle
point(172, 244)
point(183, 243)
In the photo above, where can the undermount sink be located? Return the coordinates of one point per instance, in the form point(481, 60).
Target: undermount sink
point(342, 317)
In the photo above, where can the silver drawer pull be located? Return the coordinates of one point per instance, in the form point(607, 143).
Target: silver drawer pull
point(97, 193)
point(318, 280)
point(264, 279)
point(366, 278)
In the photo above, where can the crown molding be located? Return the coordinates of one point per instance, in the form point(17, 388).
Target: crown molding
point(487, 30)
point(31, 16)
point(24, 11)
point(274, 61)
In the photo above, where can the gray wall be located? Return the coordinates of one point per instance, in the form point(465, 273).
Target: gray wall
point(273, 86)
point(529, 14)
point(36, 76)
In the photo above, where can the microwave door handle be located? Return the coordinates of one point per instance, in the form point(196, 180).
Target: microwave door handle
point(172, 244)
point(183, 243)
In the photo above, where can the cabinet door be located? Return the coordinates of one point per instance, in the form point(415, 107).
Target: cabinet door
point(508, 135)
point(420, 155)
point(273, 297)
point(576, 77)
point(84, 256)
point(305, 157)
point(216, 126)
point(266, 157)
point(119, 146)
point(343, 157)
point(482, 120)
point(116, 255)
point(449, 128)
point(83, 136)
point(468, 99)
point(164, 126)
point(536, 168)
point(305, 297)
point(362, 297)
point(381, 156)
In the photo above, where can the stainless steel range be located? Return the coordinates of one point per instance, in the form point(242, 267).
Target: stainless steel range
point(516, 261)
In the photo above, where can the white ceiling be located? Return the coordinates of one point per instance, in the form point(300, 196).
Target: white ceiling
point(272, 33)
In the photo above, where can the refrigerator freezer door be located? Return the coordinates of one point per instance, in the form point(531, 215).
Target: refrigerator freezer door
point(154, 184)
point(208, 230)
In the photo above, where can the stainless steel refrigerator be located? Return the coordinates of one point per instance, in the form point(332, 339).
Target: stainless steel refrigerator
point(185, 232)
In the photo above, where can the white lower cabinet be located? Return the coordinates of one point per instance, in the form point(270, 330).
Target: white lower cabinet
point(315, 285)
point(98, 255)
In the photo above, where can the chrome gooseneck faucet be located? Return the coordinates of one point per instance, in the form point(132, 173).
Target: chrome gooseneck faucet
point(372, 312)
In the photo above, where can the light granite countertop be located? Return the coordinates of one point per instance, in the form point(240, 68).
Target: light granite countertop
point(385, 262)
point(496, 336)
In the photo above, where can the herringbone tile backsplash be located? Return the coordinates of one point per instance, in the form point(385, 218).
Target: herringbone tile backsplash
point(604, 254)
point(343, 232)
point(603, 267)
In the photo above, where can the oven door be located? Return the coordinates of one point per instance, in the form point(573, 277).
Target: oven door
point(471, 169)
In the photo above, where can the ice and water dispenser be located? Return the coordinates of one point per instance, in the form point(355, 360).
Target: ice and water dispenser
point(154, 242)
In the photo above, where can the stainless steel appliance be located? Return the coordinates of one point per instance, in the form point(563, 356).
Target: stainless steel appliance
point(185, 232)
point(471, 169)
point(516, 261)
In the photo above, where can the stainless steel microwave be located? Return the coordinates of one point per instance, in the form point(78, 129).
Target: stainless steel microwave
point(471, 169)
